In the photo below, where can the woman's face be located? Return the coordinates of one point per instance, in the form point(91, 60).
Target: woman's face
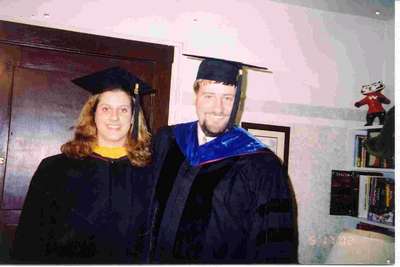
point(113, 118)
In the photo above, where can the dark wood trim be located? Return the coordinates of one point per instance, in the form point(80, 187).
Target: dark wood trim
point(56, 39)
point(9, 57)
point(161, 108)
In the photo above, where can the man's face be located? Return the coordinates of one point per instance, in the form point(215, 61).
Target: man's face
point(213, 106)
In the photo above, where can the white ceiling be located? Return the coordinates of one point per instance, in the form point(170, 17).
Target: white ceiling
point(366, 8)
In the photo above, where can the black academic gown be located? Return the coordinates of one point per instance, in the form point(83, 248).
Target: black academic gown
point(236, 210)
point(89, 210)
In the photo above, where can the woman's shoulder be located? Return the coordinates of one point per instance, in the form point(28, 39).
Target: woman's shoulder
point(60, 162)
point(54, 160)
point(49, 173)
point(58, 169)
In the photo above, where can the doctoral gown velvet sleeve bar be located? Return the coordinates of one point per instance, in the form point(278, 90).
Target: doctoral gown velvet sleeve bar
point(239, 209)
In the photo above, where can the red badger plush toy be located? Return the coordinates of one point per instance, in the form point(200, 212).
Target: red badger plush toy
point(374, 99)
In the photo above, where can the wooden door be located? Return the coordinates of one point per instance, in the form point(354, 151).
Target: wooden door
point(9, 56)
point(39, 104)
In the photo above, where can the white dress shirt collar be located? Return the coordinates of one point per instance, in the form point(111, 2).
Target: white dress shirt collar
point(202, 138)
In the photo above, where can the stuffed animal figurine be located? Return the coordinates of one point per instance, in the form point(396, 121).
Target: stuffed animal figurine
point(374, 99)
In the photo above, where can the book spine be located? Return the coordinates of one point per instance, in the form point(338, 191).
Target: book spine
point(360, 151)
point(372, 198)
point(363, 152)
point(356, 192)
point(363, 196)
point(357, 157)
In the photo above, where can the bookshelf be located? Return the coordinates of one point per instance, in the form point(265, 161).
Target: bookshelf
point(361, 163)
point(388, 171)
point(361, 159)
point(355, 220)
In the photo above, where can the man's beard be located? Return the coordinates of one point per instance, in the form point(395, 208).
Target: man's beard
point(207, 132)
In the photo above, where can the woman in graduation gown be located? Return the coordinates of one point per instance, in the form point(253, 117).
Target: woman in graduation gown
point(88, 204)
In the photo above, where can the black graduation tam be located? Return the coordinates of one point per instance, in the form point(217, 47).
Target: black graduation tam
point(218, 70)
point(227, 72)
point(115, 77)
point(221, 70)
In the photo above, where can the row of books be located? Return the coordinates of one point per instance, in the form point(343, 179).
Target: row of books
point(367, 195)
point(362, 158)
point(360, 152)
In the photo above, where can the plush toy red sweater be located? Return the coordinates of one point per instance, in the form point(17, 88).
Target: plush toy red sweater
point(374, 99)
point(374, 102)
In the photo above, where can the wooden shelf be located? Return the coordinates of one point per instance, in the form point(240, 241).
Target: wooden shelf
point(361, 169)
point(371, 222)
point(368, 127)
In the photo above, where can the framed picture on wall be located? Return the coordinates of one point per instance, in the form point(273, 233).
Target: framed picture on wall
point(274, 137)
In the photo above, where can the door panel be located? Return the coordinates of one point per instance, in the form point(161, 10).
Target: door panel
point(45, 105)
point(5, 94)
point(9, 57)
point(81, 65)
point(159, 104)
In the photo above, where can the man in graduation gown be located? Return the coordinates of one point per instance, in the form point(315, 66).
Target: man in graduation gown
point(222, 196)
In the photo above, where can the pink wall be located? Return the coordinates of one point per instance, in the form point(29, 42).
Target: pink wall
point(319, 60)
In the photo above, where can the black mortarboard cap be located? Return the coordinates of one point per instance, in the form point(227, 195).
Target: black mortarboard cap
point(227, 72)
point(116, 77)
point(218, 70)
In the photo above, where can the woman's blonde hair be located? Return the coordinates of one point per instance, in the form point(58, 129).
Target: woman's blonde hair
point(85, 137)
